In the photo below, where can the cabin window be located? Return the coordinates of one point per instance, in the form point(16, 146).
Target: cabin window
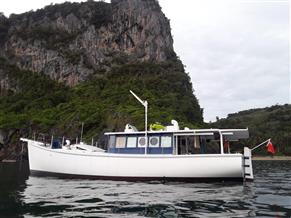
point(141, 141)
point(166, 141)
point(154, 141)
point(209, 146)
point(131, 142)
point(212, 147)
point(120, 142)
point(111, 141)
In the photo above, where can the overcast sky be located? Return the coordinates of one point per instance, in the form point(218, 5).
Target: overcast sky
point(236, 51)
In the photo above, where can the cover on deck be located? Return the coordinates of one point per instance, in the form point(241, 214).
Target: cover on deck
point(235, 134)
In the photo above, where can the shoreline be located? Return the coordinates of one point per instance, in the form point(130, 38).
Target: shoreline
point(271, 158)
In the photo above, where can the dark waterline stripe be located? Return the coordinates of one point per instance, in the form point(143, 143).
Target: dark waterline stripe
point(136, 179)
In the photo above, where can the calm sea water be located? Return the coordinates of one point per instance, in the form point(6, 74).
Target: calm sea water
point(22, 195)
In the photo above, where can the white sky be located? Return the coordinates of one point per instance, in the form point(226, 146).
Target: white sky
point(236, 51)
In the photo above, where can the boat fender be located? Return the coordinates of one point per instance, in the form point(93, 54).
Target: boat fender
point(68, 142)
point(175, 126)
point(130, 128)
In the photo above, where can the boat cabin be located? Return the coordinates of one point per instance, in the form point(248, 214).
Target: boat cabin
point(172, 140)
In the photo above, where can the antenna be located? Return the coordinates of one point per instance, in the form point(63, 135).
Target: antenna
point(81, 139)
point(141, 101)
point(145, 104)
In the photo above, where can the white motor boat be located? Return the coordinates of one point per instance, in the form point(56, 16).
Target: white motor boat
point(197, 154)
point(168, 154)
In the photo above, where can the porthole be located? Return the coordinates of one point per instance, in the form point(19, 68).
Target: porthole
point(141, 142)
point(154, 142)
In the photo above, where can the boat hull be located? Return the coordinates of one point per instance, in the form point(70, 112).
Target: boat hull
point(134, 167)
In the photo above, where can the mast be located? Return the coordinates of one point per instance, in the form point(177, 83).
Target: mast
point(145, 104)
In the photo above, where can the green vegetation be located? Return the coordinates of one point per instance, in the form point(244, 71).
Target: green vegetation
point(271, 122)
point(34, 103)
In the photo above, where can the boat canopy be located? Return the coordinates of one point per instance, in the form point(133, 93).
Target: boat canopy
point(228, 134)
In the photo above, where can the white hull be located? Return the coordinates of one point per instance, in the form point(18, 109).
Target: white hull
point(107, 165)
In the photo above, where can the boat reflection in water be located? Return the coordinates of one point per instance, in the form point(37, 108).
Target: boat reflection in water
point(13, 177)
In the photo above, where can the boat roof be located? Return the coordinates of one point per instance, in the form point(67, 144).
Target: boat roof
point(229, 134)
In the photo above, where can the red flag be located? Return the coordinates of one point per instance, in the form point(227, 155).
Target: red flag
point(270, 148)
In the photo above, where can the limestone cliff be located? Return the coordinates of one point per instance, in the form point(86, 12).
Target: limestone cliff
point(72, 41)
point(76, 62)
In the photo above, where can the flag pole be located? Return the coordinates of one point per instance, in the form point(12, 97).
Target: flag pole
point(261, 144)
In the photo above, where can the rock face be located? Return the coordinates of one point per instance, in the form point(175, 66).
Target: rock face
point(71, 41)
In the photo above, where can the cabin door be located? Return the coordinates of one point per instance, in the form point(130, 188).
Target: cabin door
point(185, 144)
